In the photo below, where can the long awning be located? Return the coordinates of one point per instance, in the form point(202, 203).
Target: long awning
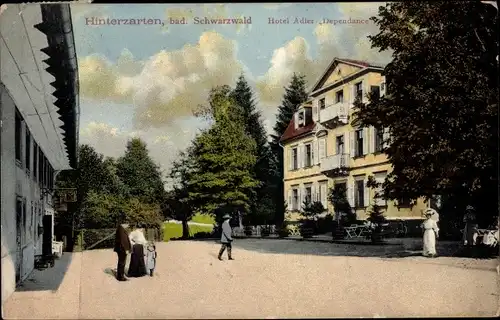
point(62, 64)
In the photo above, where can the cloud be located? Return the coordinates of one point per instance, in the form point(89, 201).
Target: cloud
point(163, 144)
point(276, 6)
point(344, 41)
point(167, 86)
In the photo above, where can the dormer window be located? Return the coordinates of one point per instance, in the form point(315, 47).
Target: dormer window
point(322, 103)
point(302, 118)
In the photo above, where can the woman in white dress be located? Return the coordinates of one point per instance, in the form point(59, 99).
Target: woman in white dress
point(431, 232)
point(137, 266)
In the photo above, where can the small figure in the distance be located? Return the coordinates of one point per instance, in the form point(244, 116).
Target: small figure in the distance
point(151, 258)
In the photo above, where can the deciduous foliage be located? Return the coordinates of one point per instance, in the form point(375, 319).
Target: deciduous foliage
point(441, 102)
point(221, 159)
point(262, 203)
point(295, 94)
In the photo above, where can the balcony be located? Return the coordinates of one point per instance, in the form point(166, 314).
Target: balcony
point(334, 115)
point(336, 164)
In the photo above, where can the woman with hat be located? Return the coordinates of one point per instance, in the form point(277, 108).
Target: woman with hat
point(226, 237)
point(431, 232)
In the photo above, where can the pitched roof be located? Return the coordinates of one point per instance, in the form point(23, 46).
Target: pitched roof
point(335, 61)
point(291, 132)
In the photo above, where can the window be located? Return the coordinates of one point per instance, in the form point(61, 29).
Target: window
point(339, 96)
point(40, 167)
point(358, 90)
point(322, 103)
point(404, 202)
point(375, 90)
point(359, 143)
point(308, 195)
point(18, 129)
point(341, 186)
point(35, 160)
point(359, 194)
point(302, 120)
point(379, 139)
point(308, 155)
point(295, 159)
point(340, 144)
point(25, 222)
point(28, 150)
point(295, 203)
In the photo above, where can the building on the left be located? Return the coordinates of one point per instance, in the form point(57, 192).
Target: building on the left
point(39, 112)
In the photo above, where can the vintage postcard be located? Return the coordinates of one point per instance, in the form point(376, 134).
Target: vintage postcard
point(249, 160)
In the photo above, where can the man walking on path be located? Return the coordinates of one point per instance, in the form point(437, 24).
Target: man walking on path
point(226, 238)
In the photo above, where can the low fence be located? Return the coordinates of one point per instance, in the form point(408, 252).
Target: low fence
point(89, 239)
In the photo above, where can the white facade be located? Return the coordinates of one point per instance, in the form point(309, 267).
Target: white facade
point(25, 86)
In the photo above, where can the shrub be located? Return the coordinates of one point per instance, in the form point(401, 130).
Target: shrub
point(283, 230)
point(248, 231)
point(306, 228)
point(375, 215)
point(203, 235)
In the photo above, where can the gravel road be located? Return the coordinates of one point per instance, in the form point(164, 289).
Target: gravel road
point(269, 278)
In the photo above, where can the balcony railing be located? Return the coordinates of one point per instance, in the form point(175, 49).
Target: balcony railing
point(334, 114)
point(335, 162)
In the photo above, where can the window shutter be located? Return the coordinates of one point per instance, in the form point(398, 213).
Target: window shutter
point(366, 88)
point(366, 192)
point(315, 112)
point(350, 193)
point(352, 144)
point(290, 159)
point(371, 140)
point(299, 156)
point(322, 148)
point(353, 94)
point(386, 137)
point(299, 199)
point(366, 141)
point(290, 199)
point(314, 152)
point(313, 193)
point(324, 196)
point(296, 120)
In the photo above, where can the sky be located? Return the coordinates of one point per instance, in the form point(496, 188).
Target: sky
point(146, 80)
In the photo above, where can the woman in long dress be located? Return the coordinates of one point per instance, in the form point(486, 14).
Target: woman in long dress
point(431, 232)
point(137, 266)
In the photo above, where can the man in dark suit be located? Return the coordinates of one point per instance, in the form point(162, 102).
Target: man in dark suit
point(226, 238)
point(122, 248)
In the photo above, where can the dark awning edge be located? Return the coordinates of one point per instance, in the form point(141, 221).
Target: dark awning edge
point(63, 65)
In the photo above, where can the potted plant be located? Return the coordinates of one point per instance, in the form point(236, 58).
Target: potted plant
point(344, 215)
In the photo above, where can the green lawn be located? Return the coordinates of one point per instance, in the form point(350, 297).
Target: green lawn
point(203, 218)
point(173, 230)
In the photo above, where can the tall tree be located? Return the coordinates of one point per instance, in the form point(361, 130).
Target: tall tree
point(295, 94)
point(441, 102)
point(139, 173)
point(223, 158)
point(262, 206)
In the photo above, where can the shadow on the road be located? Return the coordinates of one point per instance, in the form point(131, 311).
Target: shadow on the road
point(48, 279)
point(393, 248)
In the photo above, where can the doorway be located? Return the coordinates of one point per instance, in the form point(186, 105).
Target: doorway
point(19, 234)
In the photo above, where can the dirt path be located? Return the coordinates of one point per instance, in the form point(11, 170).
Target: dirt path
point(313, 281)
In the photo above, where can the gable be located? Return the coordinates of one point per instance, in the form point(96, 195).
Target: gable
point(340, 71)
point(336, 72)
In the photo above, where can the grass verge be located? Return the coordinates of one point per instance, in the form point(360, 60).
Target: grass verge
point(174, 230)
